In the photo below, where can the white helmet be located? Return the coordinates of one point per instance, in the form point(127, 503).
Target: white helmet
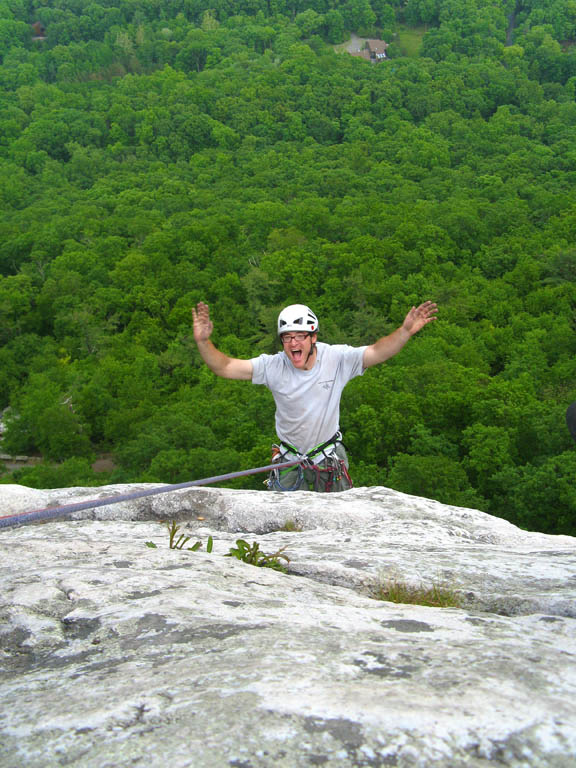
point(297, 317)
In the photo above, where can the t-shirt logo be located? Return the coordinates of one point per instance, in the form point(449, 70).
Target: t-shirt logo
point(326, 384)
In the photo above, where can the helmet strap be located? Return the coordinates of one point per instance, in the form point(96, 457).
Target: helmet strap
point(312, 349)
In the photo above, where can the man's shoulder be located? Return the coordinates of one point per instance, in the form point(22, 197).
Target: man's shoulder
point(266, 365)
point(266, 359)
point(343, 357)
point(337, 350)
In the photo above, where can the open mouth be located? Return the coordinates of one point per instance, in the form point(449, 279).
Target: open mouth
point(297, 355)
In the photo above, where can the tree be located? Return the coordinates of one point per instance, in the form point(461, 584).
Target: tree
point(421, 12)
point(434, 477)
point(44, 421)
point(359, 16)
point(12, 33)
point(490, 449)
point(334, 26)
point(308, 22)
point(195, 51)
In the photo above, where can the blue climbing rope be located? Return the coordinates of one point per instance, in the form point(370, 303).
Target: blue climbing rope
point(21, 518)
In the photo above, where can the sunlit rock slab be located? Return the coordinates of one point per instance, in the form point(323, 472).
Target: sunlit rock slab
point(357, 539)
point(116, 654)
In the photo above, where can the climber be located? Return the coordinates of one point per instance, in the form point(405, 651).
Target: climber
point(306, 379)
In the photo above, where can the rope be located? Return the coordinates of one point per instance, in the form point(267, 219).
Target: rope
point(21, 518)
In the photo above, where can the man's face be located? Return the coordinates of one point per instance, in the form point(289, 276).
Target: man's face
point(298, 345)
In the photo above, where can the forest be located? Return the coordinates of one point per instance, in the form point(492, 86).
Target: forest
point(155, 154)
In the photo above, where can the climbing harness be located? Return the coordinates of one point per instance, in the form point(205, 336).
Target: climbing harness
point(21, 518)
point(321, 467)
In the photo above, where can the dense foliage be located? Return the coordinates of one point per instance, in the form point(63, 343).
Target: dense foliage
point(154, 154)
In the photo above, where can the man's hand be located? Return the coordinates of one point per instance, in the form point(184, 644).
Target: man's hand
point(420, 316)
point(221, 364)
point(388, 346)
point(203, 326)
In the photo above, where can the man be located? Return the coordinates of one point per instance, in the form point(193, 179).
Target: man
point(306, 379)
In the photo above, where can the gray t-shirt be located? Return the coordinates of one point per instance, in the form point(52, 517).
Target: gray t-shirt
point(308, 402)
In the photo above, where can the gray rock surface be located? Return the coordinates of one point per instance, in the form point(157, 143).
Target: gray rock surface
point(115, 654)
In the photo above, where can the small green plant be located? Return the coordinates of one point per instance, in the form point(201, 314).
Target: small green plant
point(291, 525)
point(151, 545)
point(253, 555)
point(178, 543)
point(436, 596)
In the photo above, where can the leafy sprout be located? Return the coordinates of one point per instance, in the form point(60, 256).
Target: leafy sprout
point(179, 543)
point(253, 555)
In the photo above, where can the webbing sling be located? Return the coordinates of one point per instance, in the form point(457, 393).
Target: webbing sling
point(334, 465)
point(315, 451)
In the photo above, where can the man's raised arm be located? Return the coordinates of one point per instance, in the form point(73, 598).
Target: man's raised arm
point(388, 346)
point(221, 364)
